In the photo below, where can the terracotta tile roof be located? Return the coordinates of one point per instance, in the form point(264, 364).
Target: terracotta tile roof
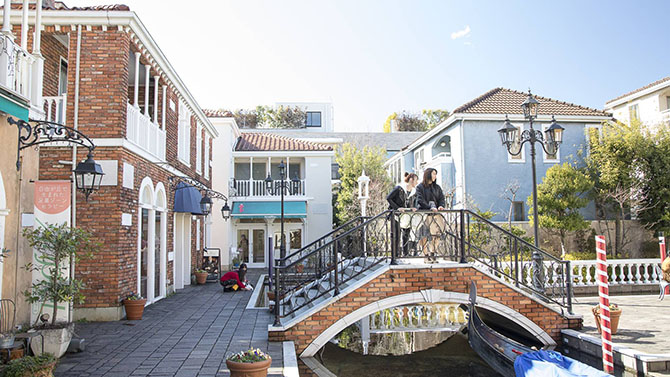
point(665, 79)
point(59, 5)
point(506, 101)
point(217, 113)
point(257, 141)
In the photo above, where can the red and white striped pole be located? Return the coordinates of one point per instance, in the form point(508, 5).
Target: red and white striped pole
point(603, 293)
point(661, 246)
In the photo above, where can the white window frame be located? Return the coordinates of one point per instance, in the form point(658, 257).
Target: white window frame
point(545, 156)
point(637, 111)
point(184, 142)
point(514, 159)
point(198, 149)
point(206, 159)
point(419, 160)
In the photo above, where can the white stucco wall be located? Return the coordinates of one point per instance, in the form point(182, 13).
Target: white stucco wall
point(222, 147)
point(651, 106)
point(318, 187)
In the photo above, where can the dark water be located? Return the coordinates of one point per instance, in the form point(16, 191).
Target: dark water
point(453, 357)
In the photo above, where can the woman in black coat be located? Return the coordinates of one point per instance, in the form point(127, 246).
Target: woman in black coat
point(399, 198)
point(429, 195)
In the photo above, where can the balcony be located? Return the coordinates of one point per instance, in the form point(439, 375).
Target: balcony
point(55, 109)
point(144, 133)
point(18, 73)
point(256, 188)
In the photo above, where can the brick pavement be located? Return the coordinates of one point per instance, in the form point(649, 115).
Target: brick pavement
point(186, 334)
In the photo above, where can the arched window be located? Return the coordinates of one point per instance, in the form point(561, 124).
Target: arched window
point(442, 146)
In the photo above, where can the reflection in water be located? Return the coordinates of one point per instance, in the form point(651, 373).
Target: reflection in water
point(454, 357)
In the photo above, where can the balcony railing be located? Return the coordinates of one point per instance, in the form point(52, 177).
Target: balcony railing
point(144, 133)
point(16, 68)
point(55, 109)
point(255, 187)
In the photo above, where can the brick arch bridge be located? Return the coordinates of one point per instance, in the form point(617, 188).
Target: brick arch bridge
point(395, 285)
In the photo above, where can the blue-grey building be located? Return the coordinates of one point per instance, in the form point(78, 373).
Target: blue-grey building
point(474, 168)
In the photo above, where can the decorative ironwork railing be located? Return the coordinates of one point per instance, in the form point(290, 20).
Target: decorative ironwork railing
point(323, 267)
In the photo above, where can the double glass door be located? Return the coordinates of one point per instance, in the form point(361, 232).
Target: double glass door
point(293, 238)
point(251, 246)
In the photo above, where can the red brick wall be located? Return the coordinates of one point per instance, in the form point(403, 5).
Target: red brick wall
point(52, 50)
point(401, 281)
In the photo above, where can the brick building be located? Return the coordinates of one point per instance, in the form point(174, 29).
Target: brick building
point(105, 76)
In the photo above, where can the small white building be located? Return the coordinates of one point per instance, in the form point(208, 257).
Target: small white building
point(649, 104)
point(241, 165)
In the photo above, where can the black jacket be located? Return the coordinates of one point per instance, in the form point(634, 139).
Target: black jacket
point(397, 198)
point(427, 194)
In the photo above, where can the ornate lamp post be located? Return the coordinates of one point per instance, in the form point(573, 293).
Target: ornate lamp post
point(272, 190)
point(88, 174)
point(363, 191)
point(550, 142)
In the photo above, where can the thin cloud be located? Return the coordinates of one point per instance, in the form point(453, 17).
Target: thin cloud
point(461, 33)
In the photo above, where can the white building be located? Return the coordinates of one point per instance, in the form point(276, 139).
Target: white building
point(649, 104)
point(241, 163)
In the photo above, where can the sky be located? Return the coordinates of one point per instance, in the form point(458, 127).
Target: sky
point(372, 58)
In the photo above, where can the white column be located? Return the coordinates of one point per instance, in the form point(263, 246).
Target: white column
point(136, 90)
point(151, 256)
point(38, 28)
point(163, 123)
point(24, 25)
point(364, 324)
point(163, 254)
point(147, 71)
point(156, 79)
point(251, 177)
point(6, 23)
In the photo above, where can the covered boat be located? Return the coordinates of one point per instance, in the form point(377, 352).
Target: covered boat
point(549, 363)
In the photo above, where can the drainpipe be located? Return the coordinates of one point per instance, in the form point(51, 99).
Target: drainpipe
point(75, 125)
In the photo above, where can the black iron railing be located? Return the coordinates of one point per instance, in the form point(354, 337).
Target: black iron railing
point(323, 267)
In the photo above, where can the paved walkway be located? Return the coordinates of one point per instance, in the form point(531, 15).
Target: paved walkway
point(644, 324)
point(187, 334)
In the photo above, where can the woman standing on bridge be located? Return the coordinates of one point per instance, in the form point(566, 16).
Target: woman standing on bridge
point(429, 196)
point(400, 198)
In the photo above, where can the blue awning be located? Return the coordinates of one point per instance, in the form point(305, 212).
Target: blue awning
point(187, 199)
point(269, 209)
point(11, 106)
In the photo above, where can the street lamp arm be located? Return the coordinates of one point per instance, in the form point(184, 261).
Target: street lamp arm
point(42, 132)
point(175, 179)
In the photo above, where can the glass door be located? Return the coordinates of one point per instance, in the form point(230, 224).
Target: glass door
point(243, 245)
point(144, 252)
point(258, 247)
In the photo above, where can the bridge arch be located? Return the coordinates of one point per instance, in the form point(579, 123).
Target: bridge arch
point(425, 296)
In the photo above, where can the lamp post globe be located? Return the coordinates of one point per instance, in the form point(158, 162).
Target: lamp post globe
point(225, 211)
point(530, 107)
point(206, 205)
point(268, 184)
point(88, 175)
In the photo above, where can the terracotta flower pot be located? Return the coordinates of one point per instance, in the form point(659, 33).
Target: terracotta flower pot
point(134, 309)
point(615, 315)
point(46, 371)
point(201, 277)
point(257, 369)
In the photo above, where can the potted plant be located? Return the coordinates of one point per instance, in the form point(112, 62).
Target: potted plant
point(31, 366)
point(201, 276)
point(134, 305)
point(615, 315)
point(59, 246)
point(251, 363)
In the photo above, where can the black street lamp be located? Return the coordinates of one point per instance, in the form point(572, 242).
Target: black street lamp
point(225, 211)
point(282, 186)
point(550, 142)
point(206, 205)
point(206, 192)
point(88, 175)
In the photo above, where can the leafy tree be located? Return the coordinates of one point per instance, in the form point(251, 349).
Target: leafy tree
point(561, 194)
point(407, 121)
point(59, 245)
point(271, 117)
point(655, 185)
point(352, 162)
point(617, 163)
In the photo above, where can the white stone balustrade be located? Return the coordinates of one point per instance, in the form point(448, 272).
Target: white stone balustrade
point(619, 272)
point(141, 131)
point(16, 67)
point(55, 109)
point(428, 317)
point(256, 187)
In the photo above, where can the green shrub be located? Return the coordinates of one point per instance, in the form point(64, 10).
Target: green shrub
point(28, 365)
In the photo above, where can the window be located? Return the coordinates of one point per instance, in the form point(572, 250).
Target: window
point(335, 171)
point(551, 158)
point(206, 167)
point(667, 103)
point(198, 149)
point(518, 212)
point(521, 157)
point(634, 112)
point(62, 77)
point(418, 160)
point(184, 134)
point(313, 119)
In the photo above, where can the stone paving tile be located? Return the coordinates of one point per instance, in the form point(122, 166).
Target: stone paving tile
point(186, 334)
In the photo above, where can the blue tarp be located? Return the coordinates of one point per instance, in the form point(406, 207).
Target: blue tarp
point(187, 199)
point(552, 364)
